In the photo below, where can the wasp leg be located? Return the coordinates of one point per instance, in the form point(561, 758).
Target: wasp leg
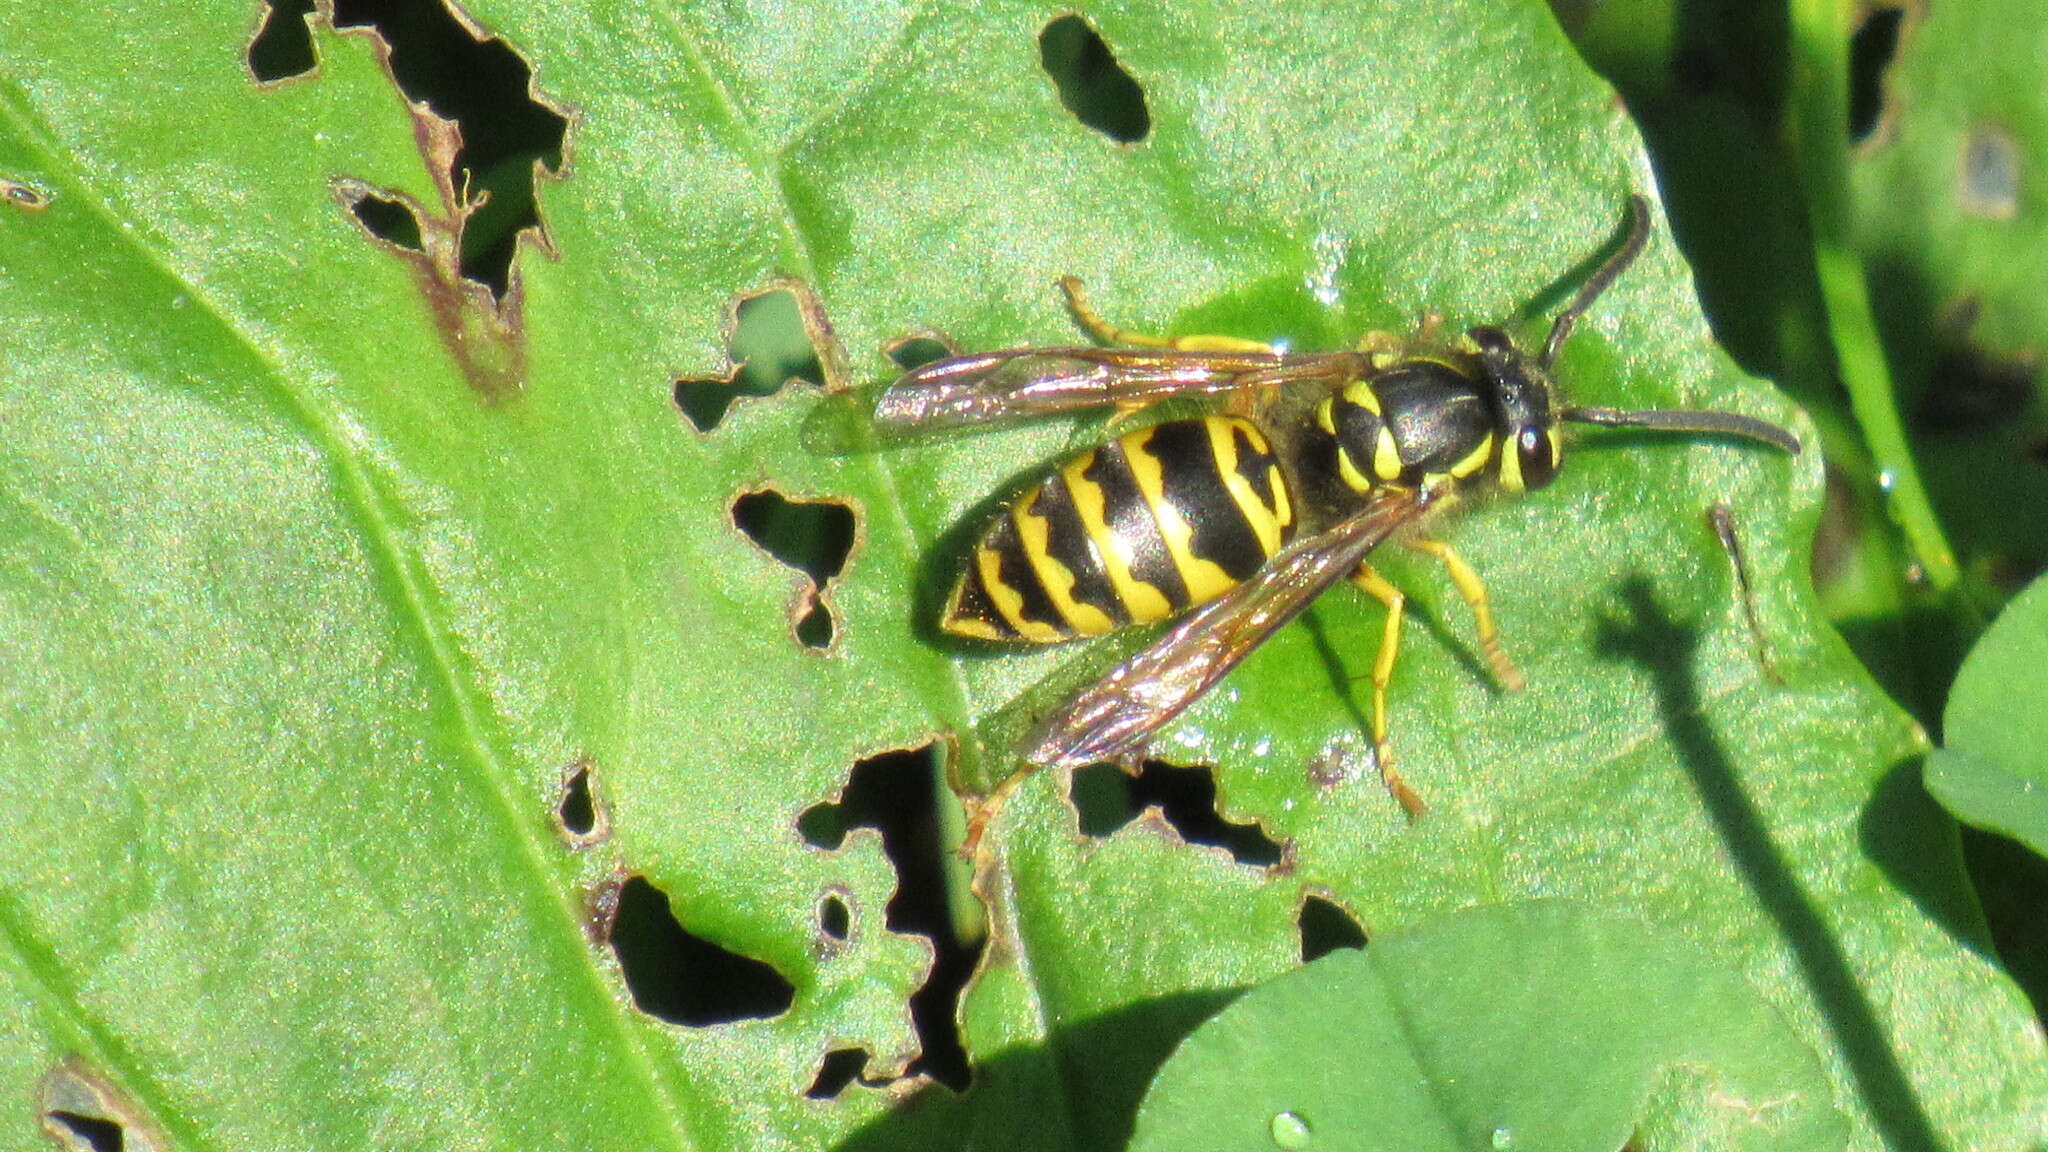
point(985, 812)
point(1466, 579)
point(1103, 330)
point(1380, 345)
point(1375, 585)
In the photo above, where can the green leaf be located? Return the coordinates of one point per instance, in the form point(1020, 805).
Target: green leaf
point(1992, 767)
point(1516, 1026)
point(322, 576)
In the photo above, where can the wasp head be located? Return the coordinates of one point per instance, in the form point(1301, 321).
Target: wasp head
point(1517, 387)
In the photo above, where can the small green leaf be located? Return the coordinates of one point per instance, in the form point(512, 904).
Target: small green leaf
point(1992, 767)
point(1542, 1025)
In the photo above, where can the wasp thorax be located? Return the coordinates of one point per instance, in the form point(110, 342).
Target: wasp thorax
point(1416, 419)
point(1518, 391)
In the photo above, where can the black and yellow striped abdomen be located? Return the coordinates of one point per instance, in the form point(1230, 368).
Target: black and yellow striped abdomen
point(1137, 530)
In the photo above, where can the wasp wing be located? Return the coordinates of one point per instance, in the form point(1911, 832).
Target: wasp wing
point(1137, 697)
point(998, 387)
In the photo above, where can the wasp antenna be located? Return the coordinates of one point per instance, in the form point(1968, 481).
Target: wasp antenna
point(1602, 277)
point(1708, 423)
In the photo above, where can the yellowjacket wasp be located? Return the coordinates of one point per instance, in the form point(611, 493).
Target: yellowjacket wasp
point(1241, 518)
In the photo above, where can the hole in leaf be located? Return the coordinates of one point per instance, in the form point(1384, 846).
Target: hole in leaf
point(22, 196)
point(770, 347)
point(833, 918)
point(841, 1067)
point(1107, 799)
point(74, 1130)
point(82, 1112)
point(1325, 927)
point(1871, 51)
point(918, 351)
point(704, 399)
point(478, 82)
point(770, 343)
point(389, 220)
point(682, 978)
point(897, 794)
point(578, 812)
point(283, 46)
point(812, 537)
point(1091, 84)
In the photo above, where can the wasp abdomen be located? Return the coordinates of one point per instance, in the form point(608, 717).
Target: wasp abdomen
point(1137, 530)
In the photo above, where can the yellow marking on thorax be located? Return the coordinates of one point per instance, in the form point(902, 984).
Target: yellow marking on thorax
point(1353, 479)
point(1386, 456)
point(1360, 392)
point(1205, 579)
point(1056, 578)
point(1474, 460)
point(1266, 521)
point(1010, 602)
point(1143, 601)
point(1326, 419)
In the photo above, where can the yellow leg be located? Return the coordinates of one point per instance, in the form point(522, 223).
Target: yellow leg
point(1375, 585)
point(1467, 581)
point(1385, 348)
point(1103, 330)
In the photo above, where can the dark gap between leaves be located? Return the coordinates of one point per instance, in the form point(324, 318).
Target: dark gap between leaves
point(482, 85)
point(390, 220)
point(917, 351)
point(90, 1132)
point(770, 346)
point(283, 46)
point(833, 918)
point(578, 813)
point(841, 1067)
point(812, 537)
point(897, 794)
point(1325, 927)
point(685, 979)
point(1107, 799)
point(1871, 50)
point(1091, 84)
point(1972, 391)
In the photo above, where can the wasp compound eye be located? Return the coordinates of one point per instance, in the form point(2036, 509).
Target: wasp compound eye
point(1537, 452)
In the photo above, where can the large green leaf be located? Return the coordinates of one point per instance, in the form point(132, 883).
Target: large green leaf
point(319, 581)
point(1422, 1044)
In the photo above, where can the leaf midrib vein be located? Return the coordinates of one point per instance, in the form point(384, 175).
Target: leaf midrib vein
point(412, 613)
